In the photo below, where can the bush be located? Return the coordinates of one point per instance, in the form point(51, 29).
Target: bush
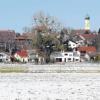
point(97, 59)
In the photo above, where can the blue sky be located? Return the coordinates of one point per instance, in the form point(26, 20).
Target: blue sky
point(16, 14)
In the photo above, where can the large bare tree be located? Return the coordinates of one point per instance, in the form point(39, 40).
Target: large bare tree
point(45, 29)
point(46, 23)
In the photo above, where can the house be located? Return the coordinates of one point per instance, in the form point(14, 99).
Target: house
point(72, 44)
point(89, 39)
point(87, 36)
point(4, 57)
point(21, 56)
point(23, 42)
point(33, 56)
point(80, 42)
point(64, 57)
point(7, 40)
point(87, 52)
point(87, 49)
point(77, 38)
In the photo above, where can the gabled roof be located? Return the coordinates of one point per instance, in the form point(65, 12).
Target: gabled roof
point(88, 49)
point(22, 53)
point(88, 36)
point(72, 41)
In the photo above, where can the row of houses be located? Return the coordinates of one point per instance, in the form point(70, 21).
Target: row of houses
point(83, 47)
point(14, 45)
point(84, 53)
point(9, 40)
point(22, 56)
point(82, 43)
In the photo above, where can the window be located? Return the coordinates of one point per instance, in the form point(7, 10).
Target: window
point(58, 59)
point(83, 51)
point(77, 60)
point(69, 59)
point(66, 54)
point(1, 55)
point(65, 60)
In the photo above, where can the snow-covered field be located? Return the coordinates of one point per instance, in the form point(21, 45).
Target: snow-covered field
point(50, 86)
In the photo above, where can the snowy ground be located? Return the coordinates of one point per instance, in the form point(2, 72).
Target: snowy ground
point(50, 86)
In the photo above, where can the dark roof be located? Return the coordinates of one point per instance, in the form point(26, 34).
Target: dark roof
point(87, 17)
point(7, 35)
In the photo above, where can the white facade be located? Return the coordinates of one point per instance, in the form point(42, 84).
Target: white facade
point(80, 43)
point(65, 56)
point(4, 57)
point(21, 59)
point(72, 44)
point(87, 24)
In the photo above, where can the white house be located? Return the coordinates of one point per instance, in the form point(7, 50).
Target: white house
point(21, 56)
point(72, 44)
point(4, 57)
point(65, 56)
point(80, 43)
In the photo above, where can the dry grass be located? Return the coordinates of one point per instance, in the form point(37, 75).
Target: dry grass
point(13, 70)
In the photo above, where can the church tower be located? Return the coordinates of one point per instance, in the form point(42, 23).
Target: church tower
point(87, 23)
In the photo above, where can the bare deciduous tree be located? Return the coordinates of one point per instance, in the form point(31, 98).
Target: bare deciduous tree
point(46, 23)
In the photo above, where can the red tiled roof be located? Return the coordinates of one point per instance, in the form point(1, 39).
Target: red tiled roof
point(88, 49)
point(22, 53)
point(87, 36)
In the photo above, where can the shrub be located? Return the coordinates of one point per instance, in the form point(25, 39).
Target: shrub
point(97, 59)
